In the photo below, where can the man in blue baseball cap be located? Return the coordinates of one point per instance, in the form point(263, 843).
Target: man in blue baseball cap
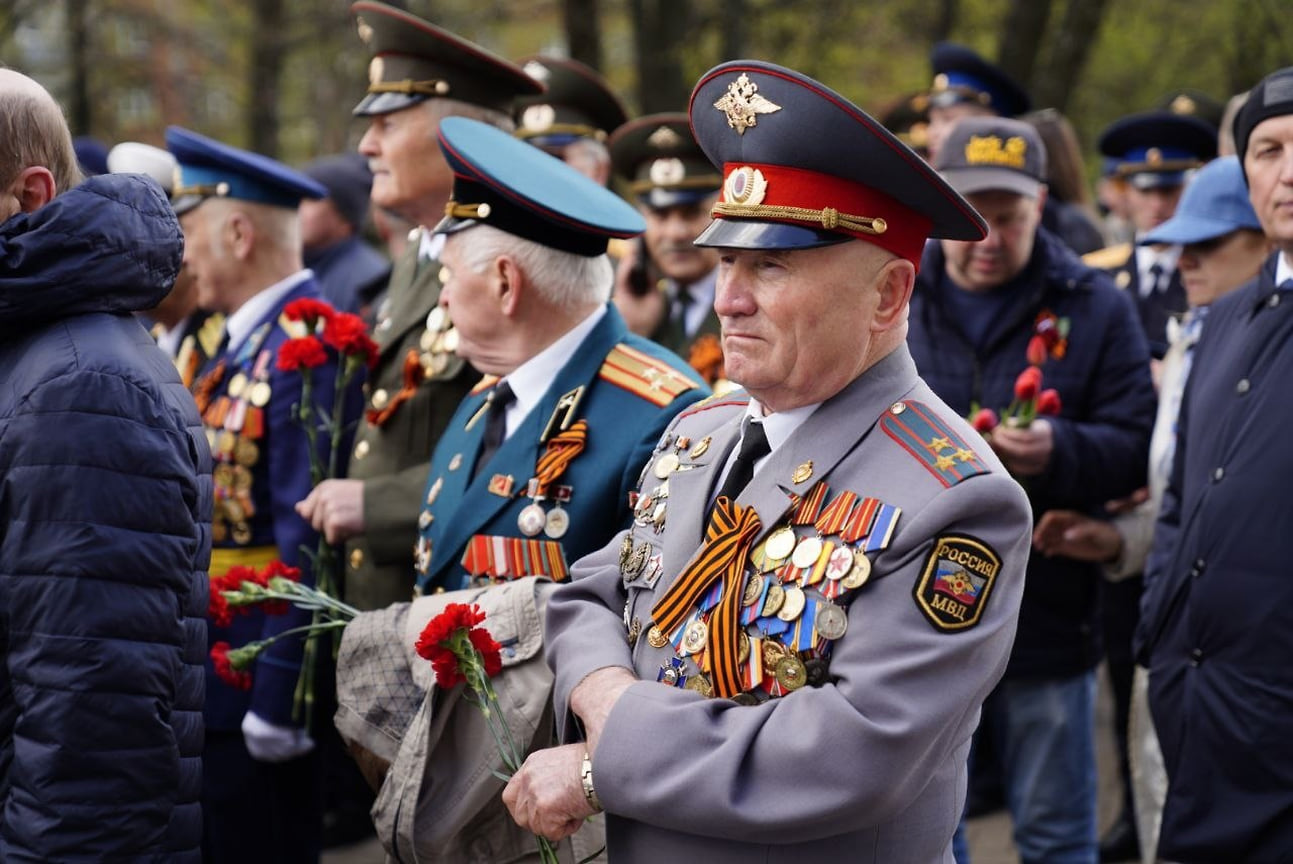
point(966, 85)
point(536, 467)
point(1218, 598)
point(243, 248)
point(784, 657)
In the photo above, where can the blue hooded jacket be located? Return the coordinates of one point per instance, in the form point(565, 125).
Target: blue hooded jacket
point(105, 507)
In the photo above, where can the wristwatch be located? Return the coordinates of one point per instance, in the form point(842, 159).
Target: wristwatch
point(586, 778)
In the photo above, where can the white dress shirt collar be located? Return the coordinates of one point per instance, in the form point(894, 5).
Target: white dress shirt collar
point(531, 380)
point(239, 325)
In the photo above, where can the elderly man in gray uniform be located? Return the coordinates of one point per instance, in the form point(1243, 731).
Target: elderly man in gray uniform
point(784, 657)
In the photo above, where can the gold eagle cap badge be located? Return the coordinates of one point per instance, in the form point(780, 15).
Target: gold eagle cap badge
point(742, 104)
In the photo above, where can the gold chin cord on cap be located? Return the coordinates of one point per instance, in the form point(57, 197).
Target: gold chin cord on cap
point(454, 210)
point(409, 87)
point(828, 217)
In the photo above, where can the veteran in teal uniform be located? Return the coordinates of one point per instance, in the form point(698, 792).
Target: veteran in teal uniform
point(238, 210)
point(536, 467)
point(784, 657)
point(419, 73)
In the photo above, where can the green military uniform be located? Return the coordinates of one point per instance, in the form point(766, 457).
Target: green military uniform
point(418, 381)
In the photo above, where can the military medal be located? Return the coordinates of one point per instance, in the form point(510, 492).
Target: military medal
point(753, 590)
point(802, 473)
point(839, 564)
point(790, 672)
point(792, 606)
point(665, 465)
point(434, 492)
point(656, 638)
point(557, 522)
point(531, 520)
point(424, 520)
point(671, 673)
point(437, 319)
point(780, 544)
point(695, 637)
point(860, 572)
point(237, 384)
point(700, 684)
point(807, 553)
point(702, 446)
point(832, 621)
point(776, 596)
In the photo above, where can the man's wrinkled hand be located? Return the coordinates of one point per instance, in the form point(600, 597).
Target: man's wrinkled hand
point(546, 797)
point(1025, 452)
point(1076, 535)
point(335, 509)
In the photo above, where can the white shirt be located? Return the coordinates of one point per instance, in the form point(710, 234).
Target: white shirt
point(1147, 257)
point(430, 246)
point(1283, 269)
point(239, 325)
point(777, 427)
point(531, 380)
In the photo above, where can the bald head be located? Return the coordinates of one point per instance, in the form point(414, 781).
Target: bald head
point(36, 156)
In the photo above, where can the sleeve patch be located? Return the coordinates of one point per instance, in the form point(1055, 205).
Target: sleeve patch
point(924, 435)
point(956, 582)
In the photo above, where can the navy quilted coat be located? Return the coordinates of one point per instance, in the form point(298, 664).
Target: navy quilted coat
point(105, 502)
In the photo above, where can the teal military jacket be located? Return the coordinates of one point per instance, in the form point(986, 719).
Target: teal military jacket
point(625, 390)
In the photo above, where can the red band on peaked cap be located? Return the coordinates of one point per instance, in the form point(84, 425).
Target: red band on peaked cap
point(814, 129)
point(905, 230)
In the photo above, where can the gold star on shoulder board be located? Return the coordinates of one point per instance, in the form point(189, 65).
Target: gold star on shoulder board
point(964, 455)
point(945, 463)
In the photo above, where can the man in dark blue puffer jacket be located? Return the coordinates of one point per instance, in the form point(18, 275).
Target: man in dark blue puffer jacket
point(105, 507)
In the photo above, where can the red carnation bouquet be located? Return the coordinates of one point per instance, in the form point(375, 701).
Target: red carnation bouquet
point(463, 653)
point(1048, 342)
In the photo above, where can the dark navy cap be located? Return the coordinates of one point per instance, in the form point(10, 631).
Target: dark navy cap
point(210, 169)
point(415, 60)
point(1272, 97)
point(501, 181)
point(1213, 205)
point(348, 181)
point(661, 161)
point(908, 118)
point(578, 104)
point(1154, 149)
point(962, 76)
point(993, 153)
point(91, 155)
point(805, 167)
point(1193, 103)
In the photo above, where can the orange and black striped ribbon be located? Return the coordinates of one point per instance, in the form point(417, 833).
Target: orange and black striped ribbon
point(731, 530)
point(561, 451)
point(413, 374)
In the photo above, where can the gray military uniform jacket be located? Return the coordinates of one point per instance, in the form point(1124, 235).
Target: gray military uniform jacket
point(392, 457)
point(870, 764)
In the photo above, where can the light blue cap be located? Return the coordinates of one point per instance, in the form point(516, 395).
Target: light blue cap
point(1213, 204)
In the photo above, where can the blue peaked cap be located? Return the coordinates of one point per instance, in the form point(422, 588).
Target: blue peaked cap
point(209, 168)
point(503, 181)
point(1213, 205)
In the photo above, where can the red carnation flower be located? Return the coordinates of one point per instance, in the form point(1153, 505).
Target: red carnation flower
point(274, 569)
point(224, 668)
point(1037, 351)
point(310, 310)
point(300, 354)
point(349, 335)
point(217, 606)
point(451, 641)
point(1028, 384)
point(1048, 403)
point(984, 421)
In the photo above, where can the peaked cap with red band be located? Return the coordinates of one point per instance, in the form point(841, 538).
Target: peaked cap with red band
point(804, 167)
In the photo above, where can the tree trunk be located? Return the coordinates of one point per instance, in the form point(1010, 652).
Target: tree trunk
point(1078, 30)
point(659, 27)
point(734, 29)
point(945, 20)
point(583, 31)
point(268, 20)
point(1022, 36)
point(81, 119)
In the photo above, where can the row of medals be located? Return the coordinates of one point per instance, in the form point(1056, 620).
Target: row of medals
point(534, 519)
point(438, 342)
point(847, 565)
point(235, 455)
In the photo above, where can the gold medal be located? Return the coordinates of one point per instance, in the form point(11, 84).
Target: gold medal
point(665, 465)
point(226, 442)
point(793, 604)
point(241, 533)
point(531, 520)
point(807, 553)
point(860, 573)
point(237, 384)
point(700, 684)
point(557, 524)
point(776, 596)
point(702, 446)
point(780, 544)
point(222, 475)
point(753, 590)
point(635, 630)
point(745, 699)
point(790, 672)
point(742, 647)
point(831, 621)
point(695, 637)
point(233, 510)
point(260, 394)
point(241, 479)
point(802, 473)
point(245, 452)
point(656, 638)
point(773, 651)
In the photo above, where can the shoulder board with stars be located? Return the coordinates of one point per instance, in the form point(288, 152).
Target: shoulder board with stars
point(644, 375)
point(484, 384)
point(1108, 257)
point(944, 453)
point(210, 334)
point(716, 400)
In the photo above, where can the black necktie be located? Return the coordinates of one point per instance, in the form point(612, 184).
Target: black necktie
point(495, 423)
point(1156, 274)
point(754, 446)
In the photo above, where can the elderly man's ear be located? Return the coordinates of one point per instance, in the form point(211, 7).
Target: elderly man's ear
point(32, 189)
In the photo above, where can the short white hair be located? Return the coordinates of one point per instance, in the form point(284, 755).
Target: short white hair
point(562, 278)
point(441, 108)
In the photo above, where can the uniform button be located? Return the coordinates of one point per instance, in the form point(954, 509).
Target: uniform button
point(1274, 301)
point(1197, 570)
point(1242, 387)
point(1196, 656)
point(361, 449)
point(1218, 474)
point(356, 558)
point(380, 399)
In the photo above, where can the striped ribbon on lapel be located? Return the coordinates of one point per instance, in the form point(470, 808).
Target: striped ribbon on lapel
point(561, 451)
point(731, 530)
